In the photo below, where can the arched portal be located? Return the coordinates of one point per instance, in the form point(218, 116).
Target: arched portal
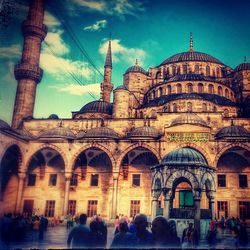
point(91, 184)
point(233, 182)
point(45, 183)
point(135, 176)
point(9, 170)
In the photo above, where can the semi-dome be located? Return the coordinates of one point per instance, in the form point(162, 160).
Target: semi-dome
point(53, 117)
point(243, 66)
point(189, 118)
point(184, 157)
point(232, 132)
point(99, 132)
point(97, 107)
point(191, 56)
point(4, 125)
point(58, 132)
point(144, 131)
point(24, 134)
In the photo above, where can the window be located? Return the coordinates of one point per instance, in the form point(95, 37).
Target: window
point(244, 208)
point(227, 93)
point(190, 88)
point(210, 89)
point(136, 180)
point(169, 89)
point(92, 208)
point(189, 107)
point(196, 69)
point(173, 70)
point(204, 107)
point(218, 72)
point(186, 198)
point(243, 180)
point(220, 91)
point(160, 92)
point(222, 209)
point(221, 180)
point(200, 88)
point(174, 107)
point(184, 69)
point(134, 207)
point(226, 113)
point(178, 88)
point(28, 206)
point(207, 70)
point(52, 179)
point(73, 180)
point(72, 207)
point(94, 180)
point(50, 208)
point(31, 180)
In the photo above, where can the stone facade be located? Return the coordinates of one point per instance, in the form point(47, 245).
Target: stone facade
point(101, 160)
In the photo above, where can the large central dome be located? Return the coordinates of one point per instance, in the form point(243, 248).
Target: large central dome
point(191, 56)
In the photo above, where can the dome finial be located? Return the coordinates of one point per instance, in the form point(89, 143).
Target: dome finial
point(136, 62)
point(191, 42)
point(245, 59)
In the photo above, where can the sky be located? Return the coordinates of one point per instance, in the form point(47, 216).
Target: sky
point(74, 50)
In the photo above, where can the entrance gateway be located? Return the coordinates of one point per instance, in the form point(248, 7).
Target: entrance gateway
point(186, 184)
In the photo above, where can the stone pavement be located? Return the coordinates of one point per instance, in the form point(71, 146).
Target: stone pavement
point(56, 238)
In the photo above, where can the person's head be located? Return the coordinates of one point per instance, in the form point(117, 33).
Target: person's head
point(140, 222)
point(123, 225)
point(83, 219)
point(160, 227)
point(190, 225)
point(172, 228)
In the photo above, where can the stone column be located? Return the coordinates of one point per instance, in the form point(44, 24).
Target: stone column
point(66, 193)
point(114, 196)
point(211, 207)
point(197, 215)
point(154, 205)
point(167, 202)
point(21, 178)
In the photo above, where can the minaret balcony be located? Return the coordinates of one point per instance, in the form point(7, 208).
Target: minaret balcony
point(30, 28)
point(28, 71)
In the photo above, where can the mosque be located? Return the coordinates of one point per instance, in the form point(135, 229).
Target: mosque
point(174, 141)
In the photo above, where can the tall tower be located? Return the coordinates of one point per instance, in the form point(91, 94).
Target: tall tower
point(106, 85)
point(28, 73)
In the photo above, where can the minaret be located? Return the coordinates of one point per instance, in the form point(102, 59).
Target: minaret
point(191, 42)
point(28, 73)
point(106, 85)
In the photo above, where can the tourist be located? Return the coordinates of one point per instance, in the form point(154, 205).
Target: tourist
point(123, 239)
point(160, 232)
point(80, 235)
point(243, 236)
point(189, 237)
point(42, 226)
point(174, 240)
point(35, 228)
point(5, 230)
point(99, 232)
point(211, 234)
point(235, 233)
point(144, 237)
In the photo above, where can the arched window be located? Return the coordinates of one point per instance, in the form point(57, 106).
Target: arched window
point(200, 88)
point(220, 91)
point(213, 73)
point(167, 71)
point(218, 72)
point(166, 108)
point(169, 89)
point(154, 94)
point(226, 113)
point(214, 109)
point(178, 88)
point(189, 88)
point(227, 93)
point(204, 107)
point(207, 70)
point(174, 107)
point(178, 70)
point(160, 92)
point(185, 69)
point(196, 69)
point(173, 70)
point(210, 89)
point(189, 107)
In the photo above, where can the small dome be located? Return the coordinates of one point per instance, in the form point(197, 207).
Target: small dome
point(189, 118)
point(122, 87)
point(99, 132)
point(243, 66)
point(144, 131)
point(24, 134)
point(97, 107)
point(184, 157)
point(58, 132)
point(191, 56)
point(4, 125)
point(53, 117)
point(232, 132)
point(136, 68)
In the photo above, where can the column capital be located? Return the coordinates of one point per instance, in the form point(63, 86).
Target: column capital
point(67, 176)
point(21, 175)
point(115, 176)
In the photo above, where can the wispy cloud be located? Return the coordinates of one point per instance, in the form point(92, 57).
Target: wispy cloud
point(50, 20)
point(122, 53)
point(118, 8)
point(74, 89)
point(12, 51)
point(97, 26)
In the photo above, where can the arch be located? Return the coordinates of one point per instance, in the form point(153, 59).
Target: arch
point(9, 144)
point(218, 72)
point(226, 93)
point(207, 70)
point(220, 91)
point(160, 92)
point(204, 107)
point(189, 107)
point(134, 146)
point(154, 94)
point(226, 113)
point(169, 89)
point(174, 107)
point(155, 180)
point(228, 146)
point(173, 70)
point(181, 174)
point(208, 176)
point(196, 69)
point(200, 88)
point(211, 89)
point(178, 88)
point(189, 88)
point(185, 68)
point(88, 146)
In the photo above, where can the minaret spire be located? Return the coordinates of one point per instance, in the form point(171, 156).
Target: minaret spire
point(245, 59)
point(191, 42)
point(27, 72)
point(106, 85)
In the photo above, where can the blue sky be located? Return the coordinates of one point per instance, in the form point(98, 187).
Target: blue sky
point(147, 30)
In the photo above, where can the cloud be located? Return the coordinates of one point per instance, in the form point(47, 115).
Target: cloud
point(50, 20)
point(74, 89)
point(119, 8)
point(12, 51)
point(59, 67)
point(97, 26)
point(122, 53)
